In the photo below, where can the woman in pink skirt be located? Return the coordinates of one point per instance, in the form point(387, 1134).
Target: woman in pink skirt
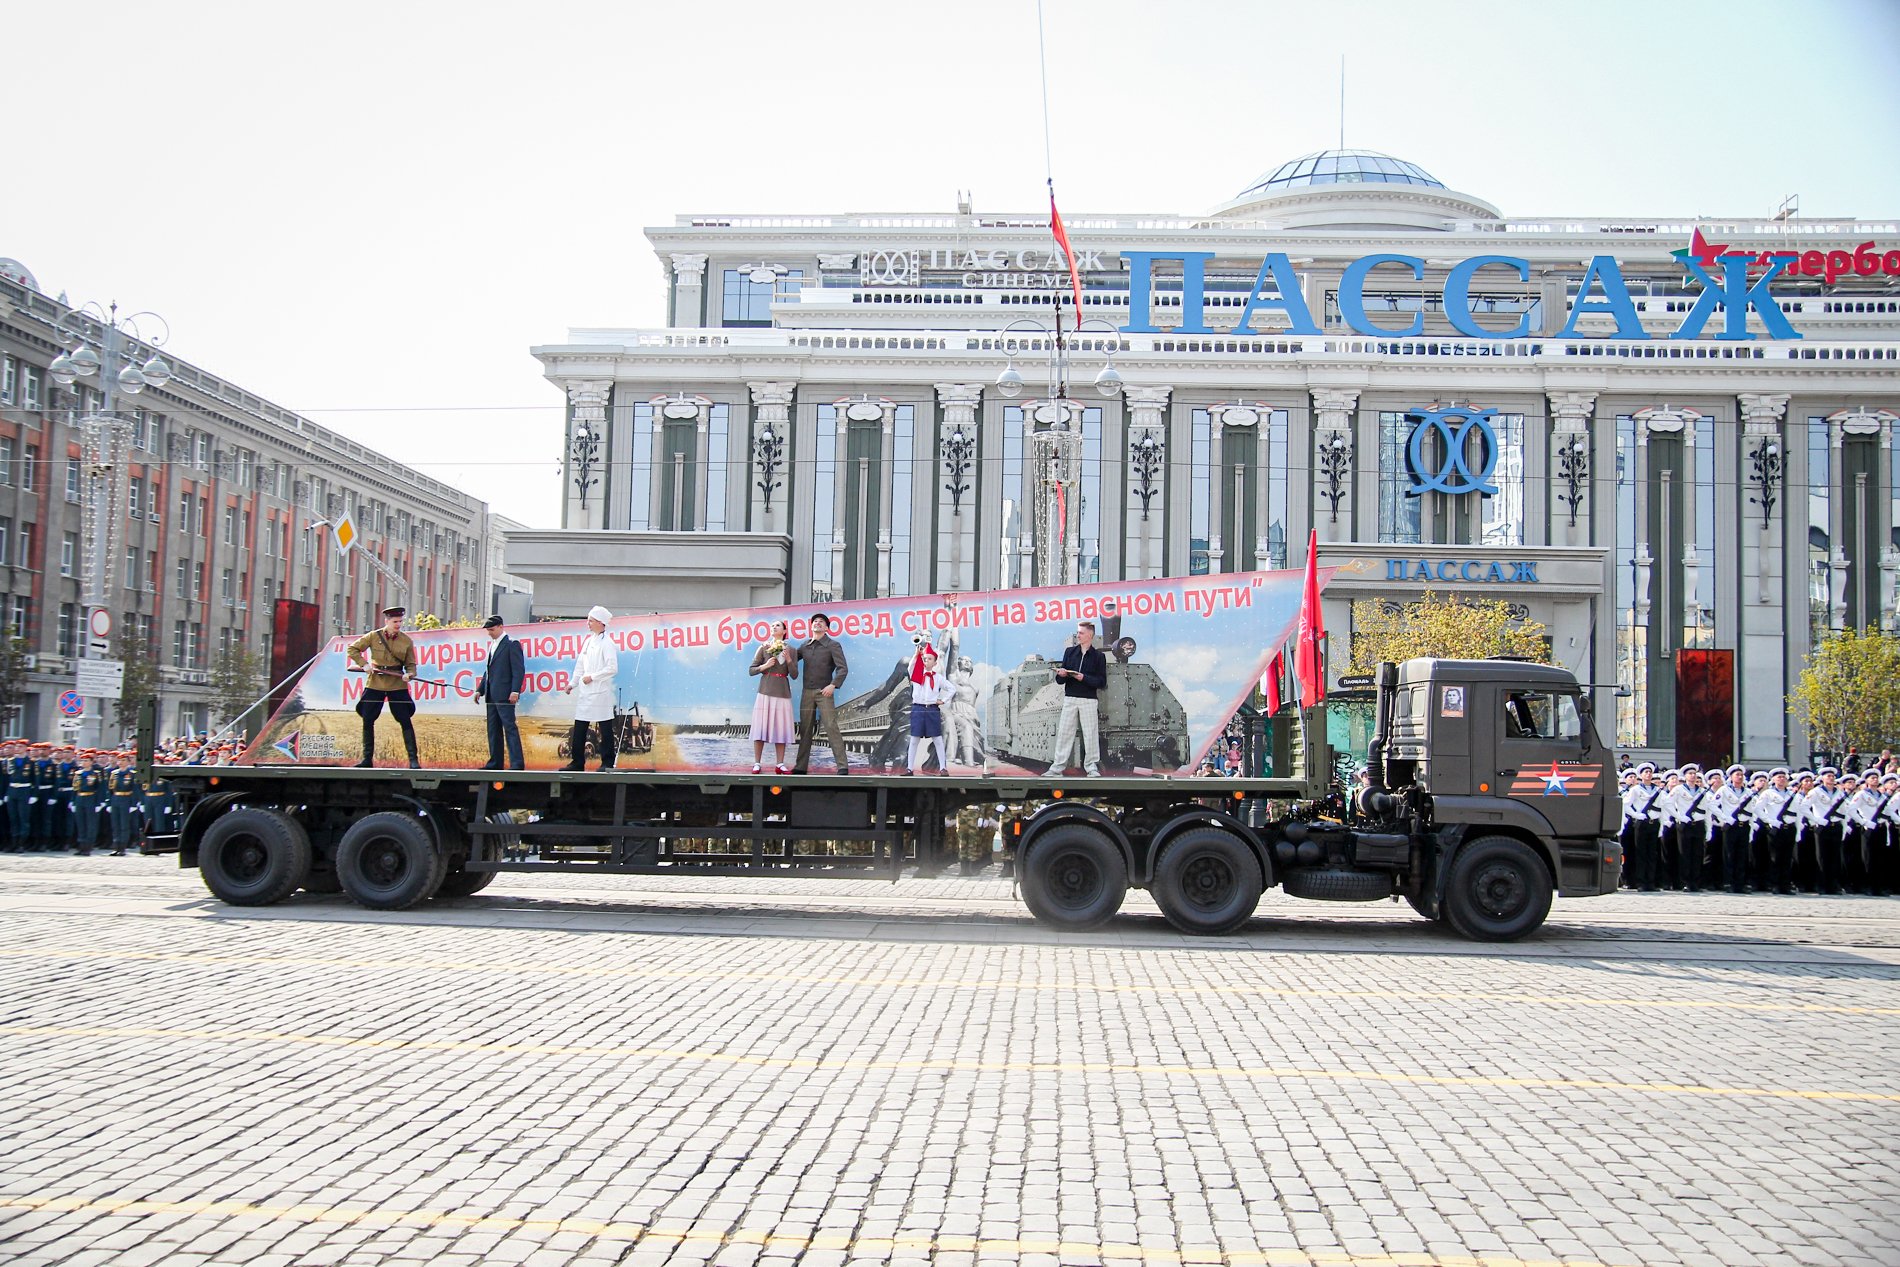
point(772, 722)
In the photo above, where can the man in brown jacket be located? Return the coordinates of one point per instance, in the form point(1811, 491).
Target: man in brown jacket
point(823, 671)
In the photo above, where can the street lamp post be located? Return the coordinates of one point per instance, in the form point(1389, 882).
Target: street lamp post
point(1055, 442)
point(99, 342)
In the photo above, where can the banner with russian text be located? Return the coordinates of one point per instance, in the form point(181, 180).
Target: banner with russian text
point(1182, 655)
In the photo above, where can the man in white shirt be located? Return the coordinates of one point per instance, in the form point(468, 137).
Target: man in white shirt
point(1692, 829)
point(1825, 803)
point(1646, 834)
point(1773, 814)
point(1883, 851)
point(1728, 832)
point(1860, 812)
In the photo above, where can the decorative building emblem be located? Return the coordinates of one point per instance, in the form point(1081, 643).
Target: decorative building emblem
point(1147, 455)
point(1454, 427)
point(1335, 467)
point(1573, 468)
point(1765, 475)
point(890, 268)
point(768, 456)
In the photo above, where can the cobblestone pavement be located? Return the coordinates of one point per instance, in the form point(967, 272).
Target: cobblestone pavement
point(582, 1070)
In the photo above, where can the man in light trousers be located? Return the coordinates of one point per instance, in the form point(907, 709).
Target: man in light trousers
point(1083, 674)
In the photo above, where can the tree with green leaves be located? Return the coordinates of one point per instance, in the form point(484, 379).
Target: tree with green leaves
point(1451, 628)
point(237, 679)
point(1849, 693)
point(141, 677)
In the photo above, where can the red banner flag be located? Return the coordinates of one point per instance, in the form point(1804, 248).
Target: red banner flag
point(1270, 684)
point(1062, 240)
point(1312, 628)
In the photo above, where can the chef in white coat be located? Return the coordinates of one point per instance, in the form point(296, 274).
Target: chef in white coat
point(591, 683)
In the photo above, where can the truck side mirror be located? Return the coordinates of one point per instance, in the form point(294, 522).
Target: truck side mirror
point(1586, 710)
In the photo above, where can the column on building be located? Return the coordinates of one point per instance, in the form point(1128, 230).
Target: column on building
point(585, 471)
point(679, 468)
point(1146, 504)
point(1858, 533)
point(1572, 467)
point(769, 454)
point(1762, 675)
point(959, 440)
point(1334, 456)
point(689, 290)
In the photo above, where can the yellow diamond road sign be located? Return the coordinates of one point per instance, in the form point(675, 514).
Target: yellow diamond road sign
point(345, 533)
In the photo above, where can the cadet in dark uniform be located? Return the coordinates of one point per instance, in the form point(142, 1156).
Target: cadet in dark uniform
point(392, 662)
point(160, 805)
point(64, 825)
point(89, 790)
point(45, 799)
point(19, 779)
point(122, 805)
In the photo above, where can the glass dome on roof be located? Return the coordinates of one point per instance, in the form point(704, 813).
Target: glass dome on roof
point(1341, 167)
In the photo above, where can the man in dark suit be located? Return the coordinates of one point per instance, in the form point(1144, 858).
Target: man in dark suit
point(823, 672)
point(501, 686)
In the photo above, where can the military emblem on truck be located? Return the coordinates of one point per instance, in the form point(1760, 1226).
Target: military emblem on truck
point(1558, 780)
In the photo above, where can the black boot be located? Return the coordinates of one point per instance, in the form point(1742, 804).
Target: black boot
point(409, 745)
point(606, 731)
point(369, 747)
point(577, 744)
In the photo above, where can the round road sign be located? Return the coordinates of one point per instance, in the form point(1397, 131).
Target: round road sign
point(72, 704)
point(100, 622)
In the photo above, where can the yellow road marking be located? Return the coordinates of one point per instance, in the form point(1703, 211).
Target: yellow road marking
point(939, 983)
point(947, 1065)
point(660, 1235)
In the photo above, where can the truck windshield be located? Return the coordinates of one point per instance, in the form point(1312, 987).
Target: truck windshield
point(1541, 715)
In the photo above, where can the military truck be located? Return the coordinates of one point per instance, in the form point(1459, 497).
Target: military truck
point(1486, 791)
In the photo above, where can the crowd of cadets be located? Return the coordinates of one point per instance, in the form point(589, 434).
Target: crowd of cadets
point(1814, 831)
point(60, 797)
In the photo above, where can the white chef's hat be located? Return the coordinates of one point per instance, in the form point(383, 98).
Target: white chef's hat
point(599, 613)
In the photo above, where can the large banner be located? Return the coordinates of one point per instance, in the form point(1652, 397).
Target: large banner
point(1182, 653)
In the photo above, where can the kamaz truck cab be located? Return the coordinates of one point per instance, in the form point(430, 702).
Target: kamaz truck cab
point(1488, 760)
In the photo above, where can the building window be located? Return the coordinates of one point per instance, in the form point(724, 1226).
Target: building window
point(6, 538)
point(201, 451)
point(1233, 480)
point(148, 575)
point(901, 476)
point(68, 637)
point(6, 460)
point(824, 488)
point(30, 469)
point(72, 479)
point(679, 475)
point(638, 422)
point(134, 496)
point(749, 303)
point(1200, 506)
point(198, 580)
point(26, 545)
point(16, 616)
point(1820, 544)
point(30, 382)
point(69, 554)
point(718, 429)
point(184, 512)
point(199, 512)
point(9, 378)
point(227, 587)
point(230, 525)
point(184, 578)
point(1016, 526)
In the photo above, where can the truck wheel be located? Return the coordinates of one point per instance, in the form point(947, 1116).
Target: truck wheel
point(1074, 877)
point(1498, 890)
point(254, 857)
point(389, 862)
point(460, 883)
point(1207, 882)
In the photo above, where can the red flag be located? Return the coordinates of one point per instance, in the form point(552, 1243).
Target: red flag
point(1062, 240)
point(1270, 684)
point(1306, 654)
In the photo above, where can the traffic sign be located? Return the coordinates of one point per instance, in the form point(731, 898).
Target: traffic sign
point(103, 678)
point(100, 622)
point(346, 533)
point(72, 704)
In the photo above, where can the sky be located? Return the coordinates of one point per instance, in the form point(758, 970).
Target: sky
point(368, 212)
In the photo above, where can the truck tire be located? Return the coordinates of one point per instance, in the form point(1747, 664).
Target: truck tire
point(460, 883)
point(1074, 877)
point(1498, 890)
point(1207, 882)
point(1424, 908)
point(1332, 884)
point(389, 861)
point(254, 857)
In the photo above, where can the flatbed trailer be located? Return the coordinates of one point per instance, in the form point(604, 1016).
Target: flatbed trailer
point(1465, 839)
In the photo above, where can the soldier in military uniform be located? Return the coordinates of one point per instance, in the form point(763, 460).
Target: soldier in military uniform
point(88, 796)
point(973, 849)
point(392, 662)
point(159, 806)
point(122, 805)
point(45, 798)
point(19, 790)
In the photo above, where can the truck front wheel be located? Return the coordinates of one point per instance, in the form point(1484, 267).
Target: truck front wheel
point(1207, 882)
point(1074, 877)
point(389, 862)
point(254, 857)
point(1498, 890)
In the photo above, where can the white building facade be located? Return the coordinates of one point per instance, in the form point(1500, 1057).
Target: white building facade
point(1552, 412)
